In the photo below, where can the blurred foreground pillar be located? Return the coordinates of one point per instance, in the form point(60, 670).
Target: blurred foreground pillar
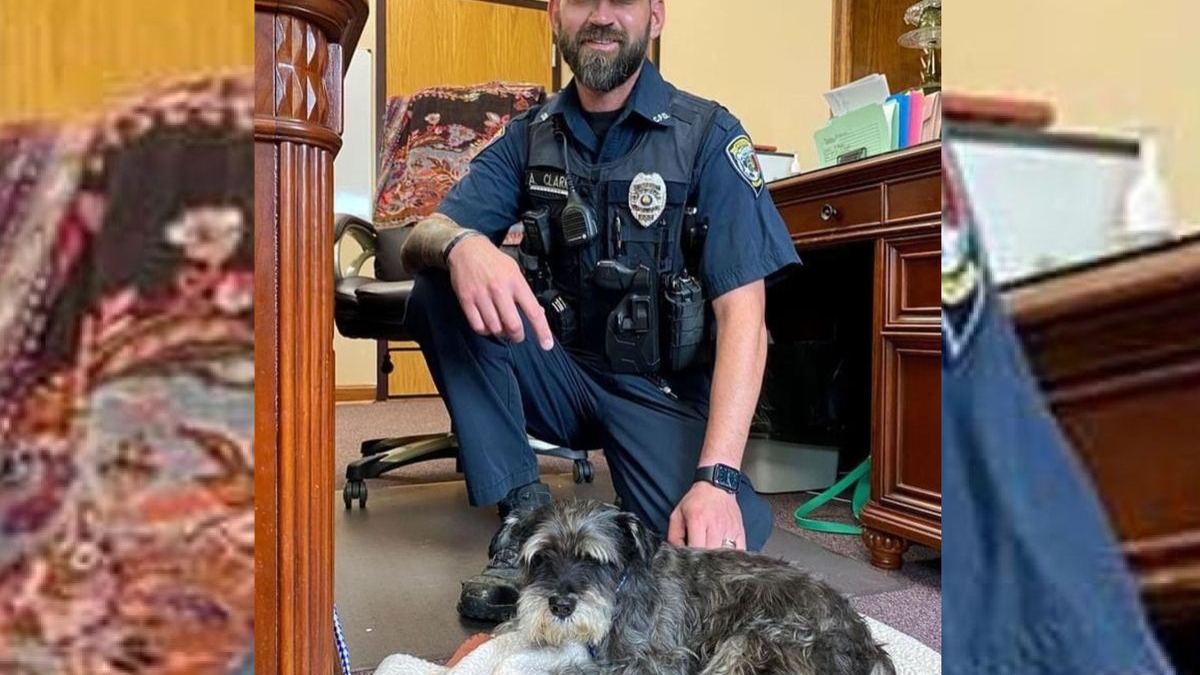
point(301, 55)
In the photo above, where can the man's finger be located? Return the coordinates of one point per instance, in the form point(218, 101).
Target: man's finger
point(537, 317)
point(739, 541)
point(491, 320)
point(509, 317)
point(675, 529)
point(473, 318)
point(697, 533)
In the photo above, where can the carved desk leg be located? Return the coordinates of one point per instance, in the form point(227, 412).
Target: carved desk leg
point(887, 550)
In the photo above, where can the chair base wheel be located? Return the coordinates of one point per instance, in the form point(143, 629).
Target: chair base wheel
point(354, 489)
point(583, 472)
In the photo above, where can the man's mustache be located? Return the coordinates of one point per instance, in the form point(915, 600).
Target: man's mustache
point(599, 33)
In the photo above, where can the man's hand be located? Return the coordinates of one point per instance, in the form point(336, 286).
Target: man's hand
point(706, 517)
point(490, 288)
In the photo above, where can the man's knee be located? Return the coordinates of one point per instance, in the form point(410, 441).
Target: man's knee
point(757, 519)
point(432, 291)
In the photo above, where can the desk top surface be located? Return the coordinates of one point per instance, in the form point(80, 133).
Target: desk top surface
point(1142, 272)
point(922, 158)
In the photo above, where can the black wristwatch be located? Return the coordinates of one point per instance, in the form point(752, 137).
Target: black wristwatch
point(725, 477)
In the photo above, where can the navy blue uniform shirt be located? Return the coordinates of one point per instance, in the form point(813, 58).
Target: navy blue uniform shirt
point(747, 239)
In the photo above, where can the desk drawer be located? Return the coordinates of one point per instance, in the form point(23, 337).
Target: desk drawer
point(915, 198)
point(913, 281)
point(836, 211)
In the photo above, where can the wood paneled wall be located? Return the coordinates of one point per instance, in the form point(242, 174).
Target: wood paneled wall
point(452, 42)
point(65, 58)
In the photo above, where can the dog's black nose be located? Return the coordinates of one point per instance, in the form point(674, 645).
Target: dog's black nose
point(562, 605)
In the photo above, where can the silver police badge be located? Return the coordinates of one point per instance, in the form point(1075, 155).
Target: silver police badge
point(647, 198)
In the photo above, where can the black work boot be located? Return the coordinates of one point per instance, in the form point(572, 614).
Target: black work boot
point(492, 594)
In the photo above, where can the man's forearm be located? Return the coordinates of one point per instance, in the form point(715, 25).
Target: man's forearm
point(426, 245)
point(737, 378)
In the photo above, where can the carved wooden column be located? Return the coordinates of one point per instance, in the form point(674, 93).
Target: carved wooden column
point(302, 50)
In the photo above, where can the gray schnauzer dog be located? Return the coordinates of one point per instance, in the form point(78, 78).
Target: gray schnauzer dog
point(597, 577)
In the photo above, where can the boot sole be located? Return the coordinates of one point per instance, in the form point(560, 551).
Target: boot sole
point(480, 609)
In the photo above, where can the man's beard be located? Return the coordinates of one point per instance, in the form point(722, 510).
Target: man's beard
point(596, 70)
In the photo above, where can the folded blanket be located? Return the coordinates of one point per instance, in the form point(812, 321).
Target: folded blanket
point(508, 654)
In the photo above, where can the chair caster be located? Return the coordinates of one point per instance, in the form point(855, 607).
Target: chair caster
point(354, 489)
point(583, 472)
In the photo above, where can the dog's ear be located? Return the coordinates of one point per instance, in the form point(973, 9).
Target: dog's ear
point(643, 542)
point(524, 527)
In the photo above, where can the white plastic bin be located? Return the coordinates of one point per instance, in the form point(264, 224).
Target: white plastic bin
point(778, 466)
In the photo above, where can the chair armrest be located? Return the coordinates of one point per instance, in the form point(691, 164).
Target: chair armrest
point(362, 233)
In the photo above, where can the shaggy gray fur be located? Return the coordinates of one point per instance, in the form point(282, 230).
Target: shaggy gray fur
point(596, 576)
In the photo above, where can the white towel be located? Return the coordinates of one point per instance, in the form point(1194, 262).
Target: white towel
point(508, 654)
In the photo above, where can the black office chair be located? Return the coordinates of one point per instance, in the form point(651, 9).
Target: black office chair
point(374, 308)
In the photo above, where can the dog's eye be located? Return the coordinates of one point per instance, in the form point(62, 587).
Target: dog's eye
point(538, 560)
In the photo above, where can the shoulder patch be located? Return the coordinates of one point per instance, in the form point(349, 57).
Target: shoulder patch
point(740, 152)
point(963, 293)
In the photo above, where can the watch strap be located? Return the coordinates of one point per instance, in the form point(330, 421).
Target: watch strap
point(725, 477)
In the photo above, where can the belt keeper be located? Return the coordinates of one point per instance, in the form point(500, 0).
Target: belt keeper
point(454, 242)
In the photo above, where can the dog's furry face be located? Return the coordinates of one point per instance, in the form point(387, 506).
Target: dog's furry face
point(575, 559)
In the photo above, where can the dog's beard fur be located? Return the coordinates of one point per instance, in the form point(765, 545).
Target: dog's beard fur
point(647, 608)
point(587, 625)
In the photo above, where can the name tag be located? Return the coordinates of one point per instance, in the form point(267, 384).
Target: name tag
point(547, 183)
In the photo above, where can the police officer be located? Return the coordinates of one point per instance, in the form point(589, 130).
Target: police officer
point(1034, 582)
point(648, 230)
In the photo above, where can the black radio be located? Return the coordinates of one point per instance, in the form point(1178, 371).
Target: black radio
point(538, 237)
point(578, 221)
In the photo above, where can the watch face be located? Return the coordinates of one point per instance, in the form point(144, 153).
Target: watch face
point(726, 477)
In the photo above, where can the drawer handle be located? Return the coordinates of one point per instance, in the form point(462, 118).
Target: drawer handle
point(828, 212)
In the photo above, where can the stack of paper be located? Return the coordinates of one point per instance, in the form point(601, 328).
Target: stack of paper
point(859, 93)
point(868, 120)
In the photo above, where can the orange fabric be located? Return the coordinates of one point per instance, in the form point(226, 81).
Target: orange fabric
point(467, 647)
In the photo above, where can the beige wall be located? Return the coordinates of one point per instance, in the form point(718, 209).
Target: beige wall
point(354, 360)
point(768, 61)
point(1107, 64)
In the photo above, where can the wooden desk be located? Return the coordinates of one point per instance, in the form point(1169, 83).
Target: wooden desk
point(893, 203)
point(1116, 346)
